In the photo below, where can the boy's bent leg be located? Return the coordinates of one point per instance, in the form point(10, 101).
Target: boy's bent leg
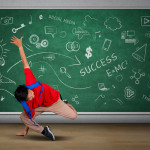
point(31, 124)
point(63, 109)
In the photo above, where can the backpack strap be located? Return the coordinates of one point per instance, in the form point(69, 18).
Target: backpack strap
point(32, 86)
point(25, 105)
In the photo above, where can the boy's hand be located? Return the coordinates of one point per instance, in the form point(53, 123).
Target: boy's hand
point(24, 133)
point(16, 41)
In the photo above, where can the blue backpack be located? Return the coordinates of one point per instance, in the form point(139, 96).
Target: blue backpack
point(25, 105)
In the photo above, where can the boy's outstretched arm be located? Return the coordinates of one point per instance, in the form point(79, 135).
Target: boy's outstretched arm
point(18, 42)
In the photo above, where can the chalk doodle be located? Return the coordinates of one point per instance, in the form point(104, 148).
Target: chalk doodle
point(44, 43)
point(6, 20)
point(6, 80)
point(129, 92)
point(106, 44)
point(98, 34)
point(74, 99)
point(33, 39)
point(79, 32)
point(140, 53)
point(63, 71)
point(14, 30)
point(50, 30)
point(129, 36)
point(50, 57)
point(118, 101)
point(102, 87)
point(40, 17)
point(113, 24)
point(72, 46)
point(38, 45)
point(137, 75)
point(7, 92)
point(30, 22)
point(88, 54)
point(2, 98)
point(145, 21)
point(42, 69)
point(63, 34)
point(119, 78)
point(101, 95)
point(55, 87)
point(3, 52)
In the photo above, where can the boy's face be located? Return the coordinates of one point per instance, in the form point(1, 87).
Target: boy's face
point(30, 95)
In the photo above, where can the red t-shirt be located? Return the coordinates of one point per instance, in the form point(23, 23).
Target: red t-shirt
point(48, 97)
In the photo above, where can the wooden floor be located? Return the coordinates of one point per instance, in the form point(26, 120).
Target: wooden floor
point(78, 137)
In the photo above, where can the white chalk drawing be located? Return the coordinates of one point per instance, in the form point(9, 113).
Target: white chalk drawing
point(72, 46)
point(30, 64)
point(77, 88)
point(79, 32)
point(30, 22)
point(44, 43)
point(147, 34)
point(42, 69)
point(88, 54)
point(102, 96)
point(50, 57)
point(98, 33)
point(102, 87)
point(119, 78)
point(6, 80)
point(74, 99)
point(118, 101)
point(106, 44)
point(55, 87)
point(33, 39)
point(89, 20)
point(41, 53)
point(3, 52)
point(92, 25)
point(40, 76)
point(27, 47)
point(113, 86)
point(129, 36)
point(137, 75)
point(14, 30)
point(113, 24)
point(38, 45)
point(140, 53)
point(147, 98)
point(63, 71)
point(40, 17)
point(63, 34)
point(2, 98)
point(129, 92)
point(6, 20)
point(50, 30)
point(7, 92)
point(145, 20)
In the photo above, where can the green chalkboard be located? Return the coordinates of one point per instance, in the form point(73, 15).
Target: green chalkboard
point(99, 59)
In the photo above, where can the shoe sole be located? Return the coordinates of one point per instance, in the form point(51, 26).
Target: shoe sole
point(53, 137)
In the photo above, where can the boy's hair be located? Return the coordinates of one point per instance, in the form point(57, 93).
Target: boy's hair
point(21, 93)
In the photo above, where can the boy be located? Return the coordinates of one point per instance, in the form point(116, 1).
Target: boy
point(37, 98)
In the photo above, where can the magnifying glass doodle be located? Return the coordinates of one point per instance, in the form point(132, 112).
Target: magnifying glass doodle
point(63, 70)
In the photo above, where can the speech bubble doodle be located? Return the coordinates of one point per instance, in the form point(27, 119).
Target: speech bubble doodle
point(50, 30)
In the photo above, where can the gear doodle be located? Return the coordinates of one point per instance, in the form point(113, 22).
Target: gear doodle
point(137, 75)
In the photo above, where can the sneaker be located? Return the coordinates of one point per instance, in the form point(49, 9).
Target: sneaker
point(65, 101)
point(47, 132)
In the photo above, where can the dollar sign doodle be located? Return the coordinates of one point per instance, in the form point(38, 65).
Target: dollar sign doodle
point(88, 54)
